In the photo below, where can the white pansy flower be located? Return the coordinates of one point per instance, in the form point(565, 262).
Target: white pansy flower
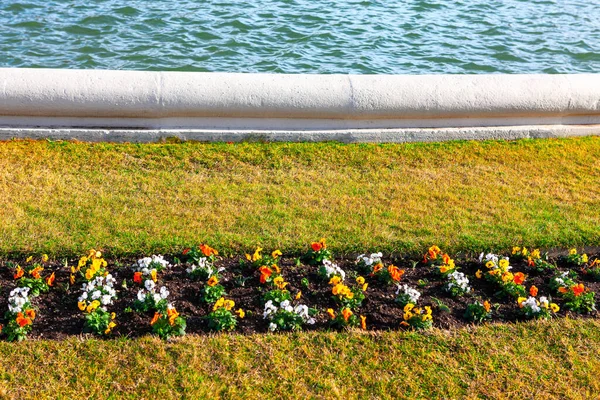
point(149, 284)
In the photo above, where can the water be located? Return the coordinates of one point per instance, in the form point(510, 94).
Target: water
point(304, 36)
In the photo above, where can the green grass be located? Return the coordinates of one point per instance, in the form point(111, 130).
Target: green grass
point(63, 198)
point(544, 360)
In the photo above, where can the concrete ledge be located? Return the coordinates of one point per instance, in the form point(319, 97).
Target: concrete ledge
point(145, 106)
point(340, 135)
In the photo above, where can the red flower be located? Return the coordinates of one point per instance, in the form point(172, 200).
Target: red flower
point(316, 246)
point(137, 277)
point(185, 251)
point(265, 273)
point(519, 278)
point(578, 289)
point(22, 320)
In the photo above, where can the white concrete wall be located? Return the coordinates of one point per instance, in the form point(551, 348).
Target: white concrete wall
point(144, 106)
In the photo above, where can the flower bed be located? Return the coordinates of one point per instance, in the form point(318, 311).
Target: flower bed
point(199, 291)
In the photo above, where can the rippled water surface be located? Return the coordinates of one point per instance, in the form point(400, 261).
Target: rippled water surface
point(304, 36)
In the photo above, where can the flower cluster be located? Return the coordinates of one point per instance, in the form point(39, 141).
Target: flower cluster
point(97, 295)
point(258, 259)
point(285, 317)
point(167, 322)
point(90, 266)
point(575, 258)
point(539, 262)
point(534, 308)
point(519, 253)
point(30, 276)
point(348, 299)
point(148, 268)
point(417, 317)
point(329, 269)
point(592, 270)
point(391, 274)
point(20, 315)
point(221, 318)
point(150, 299)
point(499, 273)
point(458, 284)
point(405, 294)
point(441, 262)
point(578, 298)
point(317, 253)
point(201, 262)
point(365, 263)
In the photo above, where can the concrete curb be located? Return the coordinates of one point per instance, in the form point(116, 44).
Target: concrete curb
point(148, 106)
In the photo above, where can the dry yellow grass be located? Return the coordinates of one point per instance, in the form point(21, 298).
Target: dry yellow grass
point(62, 198)
point(546, 359)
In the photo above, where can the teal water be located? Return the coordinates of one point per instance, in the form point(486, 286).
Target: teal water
point(304, 36)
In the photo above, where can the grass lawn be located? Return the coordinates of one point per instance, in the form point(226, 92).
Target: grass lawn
point(62, 198)
point(544, 360)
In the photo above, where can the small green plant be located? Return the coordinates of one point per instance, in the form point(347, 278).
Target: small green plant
point(99, 321)
point(317, 253)
point(305, 283)
point(578, 298)
point(167, 323)
point(277, 296)
point(575, 259)
point(592, 270)
point(222, 318)
point(201, 262)
point(212, 291)
point(539, 262)
point(478, 311)
point(440, 305)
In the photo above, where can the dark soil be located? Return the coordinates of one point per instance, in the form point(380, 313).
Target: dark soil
point(58, 315)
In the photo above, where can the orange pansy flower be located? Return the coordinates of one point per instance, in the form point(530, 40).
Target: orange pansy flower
point(30, 313)
point(212, 281)
point(395, 272)
point(157, 315)
point(50, 280)
point(208, 251)
point(533, 291)
point(346, 313)
point(18, 272)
